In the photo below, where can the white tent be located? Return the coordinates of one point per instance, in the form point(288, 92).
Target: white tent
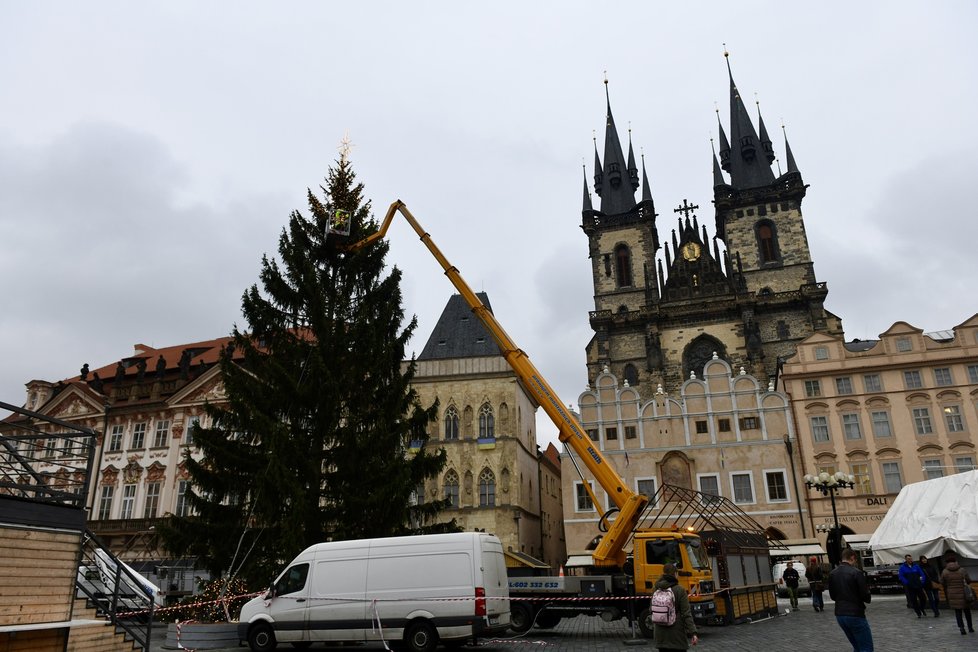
point(928, 518)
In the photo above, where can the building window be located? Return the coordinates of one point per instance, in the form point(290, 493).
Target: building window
point(451, 488)
point(592, 434)
point(162, 434)
point(843, 386)
point(451, 423)
point(952, 417)
point(942, 377)
point(710, 486)
point(192, 424)
point(115, 439)
point(152, 500)
point(933, 469)
point(623, 266)
point(646, 487)
point(701, 427)
point(904, 344)
point(881, 423)
point(138, 436)
point(611, 434)
point(784, 332)
point(973, 374)
point(723, 425)
point(105, 503)
point(630, 432)
point(820, 429)
point(860, 473)
point(743, 491)
point(921, 421)
point(128, 500)
point(183, 509)
point(582, 499)
point(872, 383)
point(813, 388)
point(487, 422)
point(962, 464)
point(850, 425)
point(487, 488)
point(777, 486)
point(892, 478)
point(821, 353)
point(748, 423)
point(631, 375)
point(912, 379)
point(767, 242)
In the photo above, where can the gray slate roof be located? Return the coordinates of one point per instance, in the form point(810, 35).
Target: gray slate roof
point(459, 333)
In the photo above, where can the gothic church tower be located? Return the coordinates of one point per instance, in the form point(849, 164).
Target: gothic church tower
point(748, 294)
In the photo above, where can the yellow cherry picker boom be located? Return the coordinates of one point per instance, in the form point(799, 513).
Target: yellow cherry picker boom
point(671, 536)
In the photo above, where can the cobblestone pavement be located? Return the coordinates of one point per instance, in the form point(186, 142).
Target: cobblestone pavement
point(895, 629)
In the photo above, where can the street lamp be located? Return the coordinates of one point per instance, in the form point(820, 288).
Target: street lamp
point(829, 484)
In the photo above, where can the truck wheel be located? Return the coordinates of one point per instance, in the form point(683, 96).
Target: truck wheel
point(261, 638)
point(520, 617)
point(547, 619)
point(421, 637)
point(645, 624)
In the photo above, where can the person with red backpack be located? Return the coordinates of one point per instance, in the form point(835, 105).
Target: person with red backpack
point(670, 614)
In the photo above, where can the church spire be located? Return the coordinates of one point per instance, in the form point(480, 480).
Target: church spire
point(632, 170)
point(646, 189)
point(765, 139)
point(587, 195)
point(717, 174)
point(792, 167)
point(747, 168)
point(598, 172)
point(617, 192)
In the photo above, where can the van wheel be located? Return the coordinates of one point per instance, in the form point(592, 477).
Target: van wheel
point(645, 624)
point(421, 637)
point(261, 638)
point(520, 617)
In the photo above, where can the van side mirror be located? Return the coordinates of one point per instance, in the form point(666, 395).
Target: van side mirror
point(271, 590)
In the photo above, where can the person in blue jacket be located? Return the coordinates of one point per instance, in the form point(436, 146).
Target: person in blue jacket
point(912, 577)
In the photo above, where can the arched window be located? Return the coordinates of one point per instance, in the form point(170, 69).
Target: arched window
point(451, 488)
point(699, 352)
point(767, 242)
point(623, 266)
point(631, 375)
point(487, 488)
point(451, 423)
point(487, 422)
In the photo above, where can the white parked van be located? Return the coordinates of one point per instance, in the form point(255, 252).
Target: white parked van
point(418, 590)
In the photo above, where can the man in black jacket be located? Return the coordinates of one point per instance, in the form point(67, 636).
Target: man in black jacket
point(847, 587)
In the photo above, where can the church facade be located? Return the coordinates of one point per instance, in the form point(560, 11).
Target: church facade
point(691, 328)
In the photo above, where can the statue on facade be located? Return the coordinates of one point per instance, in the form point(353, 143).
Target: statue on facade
point(653, 351)
point(96, 383)
point(84, 372)
point(185, 364)
point(140, 370)
point(160, 367)
point(120, 372)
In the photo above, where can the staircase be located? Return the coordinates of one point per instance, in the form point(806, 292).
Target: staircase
point(98, 635)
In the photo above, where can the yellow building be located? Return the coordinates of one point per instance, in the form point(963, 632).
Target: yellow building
point(890, 412)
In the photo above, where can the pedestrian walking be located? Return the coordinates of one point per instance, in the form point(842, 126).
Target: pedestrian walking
point(790, 579)
point(815, 575)
point(913, 578)
point(672, 619)
point(848, 588)
point(931, 585)
point(956, 588)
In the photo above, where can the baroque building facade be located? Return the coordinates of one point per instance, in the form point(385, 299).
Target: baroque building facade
point(892, 411)
point(496, 477)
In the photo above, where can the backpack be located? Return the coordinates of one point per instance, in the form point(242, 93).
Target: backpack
point(663, 608)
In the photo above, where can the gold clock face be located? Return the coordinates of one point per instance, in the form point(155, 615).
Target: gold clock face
point(691, 251)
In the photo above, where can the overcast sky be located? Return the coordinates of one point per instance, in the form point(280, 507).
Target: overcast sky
point(151, 152)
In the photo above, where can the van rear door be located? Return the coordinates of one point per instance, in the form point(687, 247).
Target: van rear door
point(494, 580)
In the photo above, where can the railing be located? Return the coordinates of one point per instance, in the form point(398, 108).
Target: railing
point(117, 592)
point(46, 466)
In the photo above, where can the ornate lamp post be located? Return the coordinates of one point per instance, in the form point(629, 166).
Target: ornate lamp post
point(829, 485)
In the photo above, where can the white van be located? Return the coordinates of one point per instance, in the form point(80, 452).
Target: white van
point(419, 589)
point(803, 587)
